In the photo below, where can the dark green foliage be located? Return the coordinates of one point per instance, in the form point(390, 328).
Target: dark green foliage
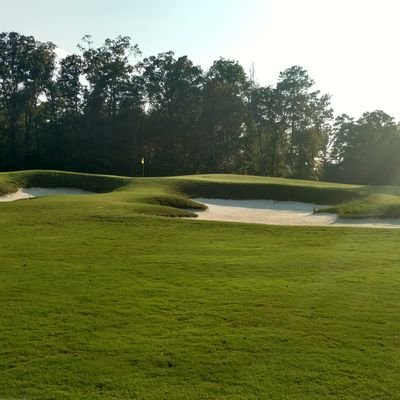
point(172, 128)
point(224, 116)
point(366, 150)
point(26, 69)
point(103, 111)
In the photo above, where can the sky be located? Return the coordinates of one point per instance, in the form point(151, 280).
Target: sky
point(349, 47)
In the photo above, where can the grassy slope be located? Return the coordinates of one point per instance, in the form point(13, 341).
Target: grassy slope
point(100, 302)
point(170, 196)
point(349, 201)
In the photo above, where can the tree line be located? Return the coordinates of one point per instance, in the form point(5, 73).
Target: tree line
point(104, 109)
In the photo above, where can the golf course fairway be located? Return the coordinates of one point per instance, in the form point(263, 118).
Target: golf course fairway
point(105, 296)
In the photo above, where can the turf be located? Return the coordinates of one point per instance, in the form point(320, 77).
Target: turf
point(171, 196)
point(101, 302)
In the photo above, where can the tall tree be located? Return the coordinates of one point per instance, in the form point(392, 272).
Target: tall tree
point(366, 150)
point(111, 87)
point(306, 115)
point(65, 110)
point(225, 112)
point(173, 88)
point(266, 132)
point(26, 68)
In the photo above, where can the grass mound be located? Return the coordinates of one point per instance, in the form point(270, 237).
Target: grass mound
point(349, 201)
point(9, 182)
point(268, 190)
point(171, 196)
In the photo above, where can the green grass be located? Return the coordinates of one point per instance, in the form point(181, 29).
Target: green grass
point(349, 201)
point(171, 196)
point(101, 302)
point(375, 204)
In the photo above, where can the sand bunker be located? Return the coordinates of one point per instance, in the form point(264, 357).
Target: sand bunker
point(272, 212)
point(29, 193)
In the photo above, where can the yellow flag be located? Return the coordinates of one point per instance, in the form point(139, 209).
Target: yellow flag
point(142, 160)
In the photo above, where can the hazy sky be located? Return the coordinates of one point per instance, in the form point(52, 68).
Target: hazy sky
point(349, 47)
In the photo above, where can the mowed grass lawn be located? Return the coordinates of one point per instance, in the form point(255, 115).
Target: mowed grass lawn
point(101, 302)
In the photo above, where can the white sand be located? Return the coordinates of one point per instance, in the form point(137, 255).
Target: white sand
point(29, 193)
point(272, 212)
